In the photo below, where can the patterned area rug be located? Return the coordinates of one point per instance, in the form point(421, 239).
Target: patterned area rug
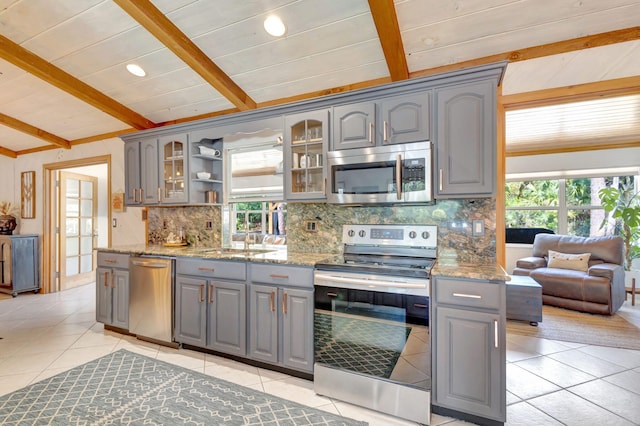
point(368, 347)
point(579, 327)
point(124, 388)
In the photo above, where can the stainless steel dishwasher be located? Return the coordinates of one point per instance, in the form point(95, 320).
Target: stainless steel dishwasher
point(151, 299)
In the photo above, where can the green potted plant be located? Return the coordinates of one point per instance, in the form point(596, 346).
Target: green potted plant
point(8, 220)
point(623, 204)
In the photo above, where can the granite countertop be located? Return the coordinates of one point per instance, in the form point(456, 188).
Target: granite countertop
point(452, 268)
point(256, 254)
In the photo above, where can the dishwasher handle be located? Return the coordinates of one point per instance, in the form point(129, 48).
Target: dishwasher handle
point(150, 264)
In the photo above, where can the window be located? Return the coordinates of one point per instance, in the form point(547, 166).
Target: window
point(567, 205)
point(264, 221)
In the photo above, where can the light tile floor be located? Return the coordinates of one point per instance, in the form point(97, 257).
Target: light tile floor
point(548, 382)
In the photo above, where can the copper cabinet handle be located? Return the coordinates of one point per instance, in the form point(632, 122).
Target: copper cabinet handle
point(419, 305)
point(399, 177)
point(112, 278)
point(201, 292)
point(159, 194)
point(271, 301)
point(284, 303)
point(202, 268)
point(440, 179)
point(109, 261)
point(141, 195)
point(495, 335)
point(324, 187)
point(106, 275)
point(283, 277)
point(211, 289)
point(384, 130)
point(467, 295)
point(371, 133)
point(332, 294)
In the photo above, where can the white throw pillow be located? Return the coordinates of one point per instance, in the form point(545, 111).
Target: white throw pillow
point(577, 262)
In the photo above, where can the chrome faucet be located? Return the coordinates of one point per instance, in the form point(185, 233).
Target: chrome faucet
point(246, 232)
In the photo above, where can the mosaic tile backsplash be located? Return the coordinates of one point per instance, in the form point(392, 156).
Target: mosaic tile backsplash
point(454, 242)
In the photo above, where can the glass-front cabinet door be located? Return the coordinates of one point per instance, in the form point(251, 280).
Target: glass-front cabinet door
point(173, 185)
point(305, 153)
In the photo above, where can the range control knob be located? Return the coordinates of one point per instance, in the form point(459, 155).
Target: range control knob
point(351, 232)
point(412, 234)
point(425, 235)
point(362, 233)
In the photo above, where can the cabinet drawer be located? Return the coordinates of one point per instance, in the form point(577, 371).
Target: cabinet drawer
point(113, 260)
point(477, 294)
point(281, 275)
point(212, 269)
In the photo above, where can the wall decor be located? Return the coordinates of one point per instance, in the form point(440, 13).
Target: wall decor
point(117, 202)
point(27, 195)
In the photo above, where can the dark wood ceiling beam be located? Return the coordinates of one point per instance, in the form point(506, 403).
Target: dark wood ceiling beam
point(386, 21)
point(154, 21)
point(580, 43)
point(34, 131)
point(53, 75)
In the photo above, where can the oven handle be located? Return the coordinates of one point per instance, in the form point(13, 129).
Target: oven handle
point(365, 281)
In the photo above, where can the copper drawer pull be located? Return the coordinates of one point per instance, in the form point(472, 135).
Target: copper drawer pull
point(202, 268)
point(332, 294)
point(109, 261)
point(283, 277)
point(106, 275)
point(467, 296)
point(420, 305)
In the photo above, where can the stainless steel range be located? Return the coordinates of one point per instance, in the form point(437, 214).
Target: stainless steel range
point(372, 320)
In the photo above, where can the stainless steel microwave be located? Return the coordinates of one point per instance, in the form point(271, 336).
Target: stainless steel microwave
point(389, 174)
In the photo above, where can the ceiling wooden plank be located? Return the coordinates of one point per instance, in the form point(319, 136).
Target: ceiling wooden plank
point(34, 131)
point(386, 21)
point(580, 43)
point(46, 71)
point(8, 153)
point(579, 92)
point(175, 40)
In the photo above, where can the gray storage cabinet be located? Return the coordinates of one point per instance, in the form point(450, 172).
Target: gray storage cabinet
point(19, 264)
point(281, 315)
point(210, 309)
point(466, 140)
point(469, 349)
point(112, 289)
point(398, 119)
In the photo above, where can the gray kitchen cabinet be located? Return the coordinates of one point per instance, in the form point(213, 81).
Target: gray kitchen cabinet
point(393, 120)
point(468, 349)
point(466, 140)
point(305, 151)
point(173, 185)
point(281, 315)
point(141, 172)
point(112, 289)
point(19, 263)
point(210, 306)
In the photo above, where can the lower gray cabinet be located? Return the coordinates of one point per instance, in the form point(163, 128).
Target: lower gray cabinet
point(210, 308)
point(281, 316)
point(112, 289)
point(468, 349)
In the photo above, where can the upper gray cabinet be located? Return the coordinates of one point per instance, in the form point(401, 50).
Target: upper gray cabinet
point(466, 140)
point(155, 170)
point(141, 172)
point(305, 146)
point(398, 119)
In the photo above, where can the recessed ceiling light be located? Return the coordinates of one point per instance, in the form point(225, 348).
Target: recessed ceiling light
point(274, 26)
point(136, 70)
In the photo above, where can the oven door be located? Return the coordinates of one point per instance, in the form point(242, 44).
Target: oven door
point(391, 174)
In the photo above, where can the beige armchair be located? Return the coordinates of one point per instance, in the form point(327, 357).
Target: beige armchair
point(584, 274)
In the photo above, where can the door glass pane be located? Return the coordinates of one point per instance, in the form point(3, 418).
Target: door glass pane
point(73, 188)
point(86, 245)
point(72, 266)
point(86, 208)
point(86, 189)
point(72, 207)
point(86, 228)
point(86, 263)
point(72, 247)
point(72, 226)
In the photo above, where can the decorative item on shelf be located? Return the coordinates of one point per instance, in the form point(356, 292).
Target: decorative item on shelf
point(203, 175)
point(205, 150)
point(210, 197)
point(8, 221)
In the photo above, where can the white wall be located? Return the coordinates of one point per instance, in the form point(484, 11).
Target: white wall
point(130, 229)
